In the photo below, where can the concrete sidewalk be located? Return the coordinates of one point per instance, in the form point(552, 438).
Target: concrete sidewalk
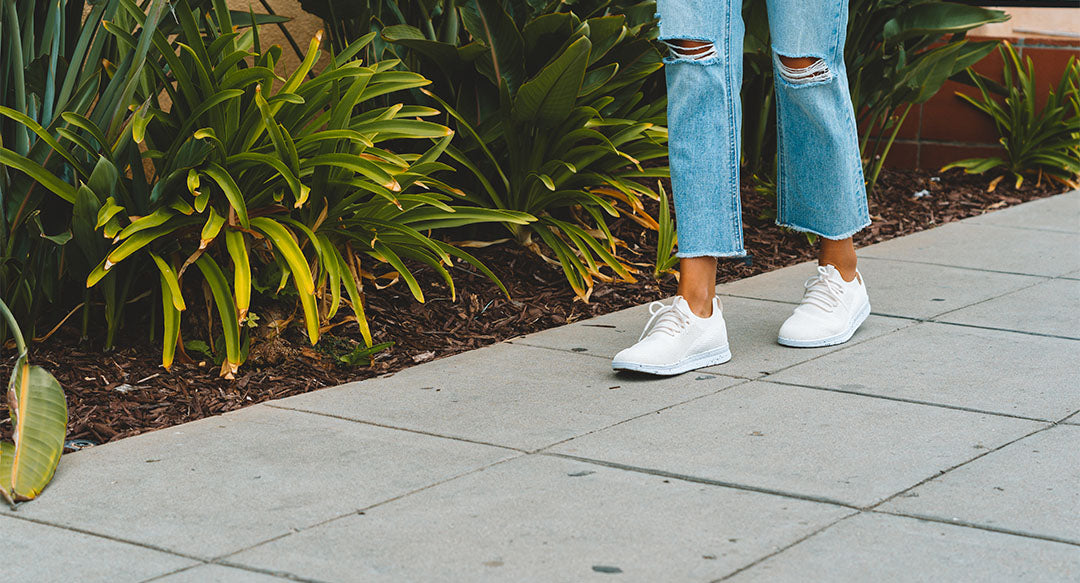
point(941, 443)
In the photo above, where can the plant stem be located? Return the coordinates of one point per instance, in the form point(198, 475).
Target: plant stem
point(885, 153)
point(20, 343)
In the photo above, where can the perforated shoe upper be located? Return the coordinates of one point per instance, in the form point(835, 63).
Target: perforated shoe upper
point(674, 332)
point(828, 307)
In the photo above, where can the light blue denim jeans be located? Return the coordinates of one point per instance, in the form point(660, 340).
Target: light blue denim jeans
point(820, 186)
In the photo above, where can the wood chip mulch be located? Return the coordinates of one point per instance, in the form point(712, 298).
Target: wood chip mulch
point(126, 392)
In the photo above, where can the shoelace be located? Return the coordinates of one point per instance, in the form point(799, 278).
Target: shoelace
point(668, 320)
point(822, 291)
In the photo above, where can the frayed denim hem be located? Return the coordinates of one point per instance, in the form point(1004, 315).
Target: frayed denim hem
point(847, 235)
point(690, 254)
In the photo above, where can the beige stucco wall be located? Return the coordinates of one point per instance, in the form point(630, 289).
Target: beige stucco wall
point(302, 27)
point(1035, 22)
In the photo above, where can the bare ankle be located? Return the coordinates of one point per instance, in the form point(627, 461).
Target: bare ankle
point(841, 255)
point(847, 272)
point(701, 306)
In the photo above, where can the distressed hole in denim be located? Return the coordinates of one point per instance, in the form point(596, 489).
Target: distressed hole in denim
point(803, 70)
point(692, 49)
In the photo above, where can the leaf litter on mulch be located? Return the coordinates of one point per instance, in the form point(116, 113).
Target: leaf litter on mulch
point(125, 392)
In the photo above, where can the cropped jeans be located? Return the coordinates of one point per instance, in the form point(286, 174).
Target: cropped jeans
point(820, 186)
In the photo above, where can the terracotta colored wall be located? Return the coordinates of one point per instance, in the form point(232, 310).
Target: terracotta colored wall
point(946, 128)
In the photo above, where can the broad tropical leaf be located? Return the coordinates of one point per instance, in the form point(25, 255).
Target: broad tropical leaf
point(39, 422)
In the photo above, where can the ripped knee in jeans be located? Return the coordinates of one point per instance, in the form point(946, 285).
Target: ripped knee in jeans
point(691, 49)
point(803, 70)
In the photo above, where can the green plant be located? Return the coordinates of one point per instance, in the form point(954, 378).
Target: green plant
point(48, 65)
point(899, 53)
point(1045, 141)
point(38, 412)
point(54, 63)
point(348, 20)
point(361, 355)
point(249, 171)
point(666, 261)
point(550, 121)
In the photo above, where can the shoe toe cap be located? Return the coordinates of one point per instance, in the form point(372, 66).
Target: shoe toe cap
point(642, 353)
point(808, 327)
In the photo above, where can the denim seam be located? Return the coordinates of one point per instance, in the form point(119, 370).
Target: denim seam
point(781, 165)
point(733, 182)
point(841, 237)
point(689, 254)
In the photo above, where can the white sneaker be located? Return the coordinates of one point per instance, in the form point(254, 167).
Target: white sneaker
point(830, 312)
point(676, 340)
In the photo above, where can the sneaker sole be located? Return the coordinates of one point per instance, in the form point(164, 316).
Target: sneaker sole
point(701, 360)
point(832, 340)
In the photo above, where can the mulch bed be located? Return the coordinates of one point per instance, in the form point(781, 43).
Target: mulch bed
point(125, 392)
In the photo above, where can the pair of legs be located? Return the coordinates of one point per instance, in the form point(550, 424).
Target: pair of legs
point(697, 281)
point(820, 183)
point(820, 186)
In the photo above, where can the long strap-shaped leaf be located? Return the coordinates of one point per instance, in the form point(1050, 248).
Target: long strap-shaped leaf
point(283, 241)
point(234, 242)
point(39, 419)
point(38, 173)
point(7, 455)
point(172, 303)
point(230, 322)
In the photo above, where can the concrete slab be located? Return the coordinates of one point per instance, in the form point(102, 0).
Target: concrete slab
point(540, 518)
point(511, 395)
point(987, 370)
point(224, 483)
point(1056, 213)
point(218, 574)
point(751, 324)
point(912, 290)
point(1028, 487)
point(1052, 307)
point(879, 547)
point(33, 553)
point(986, 247)
point(846, 448)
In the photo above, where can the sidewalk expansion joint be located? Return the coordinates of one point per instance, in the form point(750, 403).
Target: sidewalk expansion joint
point(959, 465)
point(755, 298)
point(525, 342)
point(978, 526)
point(1070, 419)
point(643, 375)
point(996, 329)
point(706, 481)
point(108, 537)
point(277, 574)
point(910, 401)
point(1023, 228)
point(840, 348)
point(784, 548)
point(396, 428)
point(982, 269)
point(635, 417)
point(223, 559)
